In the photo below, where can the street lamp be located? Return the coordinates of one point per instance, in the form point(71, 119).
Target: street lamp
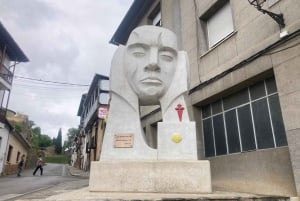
point(277, 17)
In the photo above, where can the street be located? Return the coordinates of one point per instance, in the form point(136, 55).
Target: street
point(13, 187)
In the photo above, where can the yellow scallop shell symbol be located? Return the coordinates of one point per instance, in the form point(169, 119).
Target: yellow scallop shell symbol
point(176, 137)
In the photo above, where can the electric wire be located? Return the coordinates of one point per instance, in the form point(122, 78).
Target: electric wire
point(47, 87)
point(49, 81)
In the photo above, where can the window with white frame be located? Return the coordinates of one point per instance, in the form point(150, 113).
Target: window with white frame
point(104, 85)
point(157, 19)
point(219, 25)
point(248, 120)
point(155, 16)
point(104, 98)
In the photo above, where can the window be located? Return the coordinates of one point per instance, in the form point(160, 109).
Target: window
point(103, 98)
point(247, 120)
point(18, 156)
point(104, 85)
point(157, 19)
point(10, 149)
point(155, 16)
point(219, 24)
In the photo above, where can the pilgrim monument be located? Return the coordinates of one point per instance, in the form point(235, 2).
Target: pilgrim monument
point(149, 70)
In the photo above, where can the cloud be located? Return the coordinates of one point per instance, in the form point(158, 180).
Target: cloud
point(65, 41)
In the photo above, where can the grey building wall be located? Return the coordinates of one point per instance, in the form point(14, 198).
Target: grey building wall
point(272, 171)
point(253, 52)
point(286, 67)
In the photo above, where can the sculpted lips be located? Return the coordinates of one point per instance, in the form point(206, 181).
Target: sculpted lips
point(151, 80)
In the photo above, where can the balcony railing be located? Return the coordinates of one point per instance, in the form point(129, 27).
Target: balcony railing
point(2, 115)
point(6, 74)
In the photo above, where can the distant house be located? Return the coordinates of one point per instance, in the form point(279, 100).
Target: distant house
point(92, 110)
point(10, 56)
point(18, 141)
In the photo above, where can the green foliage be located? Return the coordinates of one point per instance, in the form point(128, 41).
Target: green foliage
point(31, 124)
point(58, 141)
point(70, 138)
point(39, 140)
point(36, 135)
point(45, 141)
point(64, 159)
point(36, 130)
point(19, 127)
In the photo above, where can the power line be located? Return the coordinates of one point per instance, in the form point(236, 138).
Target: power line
point(43, 96)
point(49, 81)
point(48, 87)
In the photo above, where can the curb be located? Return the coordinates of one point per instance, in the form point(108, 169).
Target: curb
point(72, 173)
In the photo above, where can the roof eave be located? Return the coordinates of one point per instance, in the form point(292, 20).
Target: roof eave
point(131, 20)
point(13, 51)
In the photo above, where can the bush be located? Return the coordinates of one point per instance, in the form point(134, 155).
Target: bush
point(64, 159)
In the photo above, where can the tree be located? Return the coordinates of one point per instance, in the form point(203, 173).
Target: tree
point(58, 141)
point(36, 135)
point(45, 141)
point(70, 138)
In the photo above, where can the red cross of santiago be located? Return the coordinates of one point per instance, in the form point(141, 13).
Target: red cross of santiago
point(179, 110)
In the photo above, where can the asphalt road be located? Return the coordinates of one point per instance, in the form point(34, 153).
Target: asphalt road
point(54, 174)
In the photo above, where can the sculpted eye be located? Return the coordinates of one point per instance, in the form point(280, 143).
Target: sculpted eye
point(138, 54)
point(137, 50)
point(166, 56)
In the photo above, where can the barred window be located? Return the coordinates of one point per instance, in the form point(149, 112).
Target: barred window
point(248, 120)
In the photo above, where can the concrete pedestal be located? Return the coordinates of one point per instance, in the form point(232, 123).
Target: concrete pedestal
point(151, 176)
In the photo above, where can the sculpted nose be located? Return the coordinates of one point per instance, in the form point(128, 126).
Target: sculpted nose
point(153, 60)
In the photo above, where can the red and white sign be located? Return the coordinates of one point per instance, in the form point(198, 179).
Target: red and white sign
point(102, 112)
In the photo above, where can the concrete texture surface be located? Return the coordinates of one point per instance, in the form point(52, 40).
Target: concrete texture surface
point(151, 176)
point(84, 194)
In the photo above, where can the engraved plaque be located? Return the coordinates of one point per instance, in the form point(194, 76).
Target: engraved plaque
point(124, 140)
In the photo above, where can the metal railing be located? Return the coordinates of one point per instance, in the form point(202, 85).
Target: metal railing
point(2, 114)
point(6, 74)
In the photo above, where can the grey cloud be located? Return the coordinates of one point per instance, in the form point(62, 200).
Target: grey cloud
point(65, 40)
point(30, 13)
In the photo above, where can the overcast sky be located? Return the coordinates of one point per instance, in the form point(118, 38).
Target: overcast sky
point(65, 41)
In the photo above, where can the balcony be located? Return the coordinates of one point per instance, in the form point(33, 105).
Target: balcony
point(6, 74)
point(2, 115)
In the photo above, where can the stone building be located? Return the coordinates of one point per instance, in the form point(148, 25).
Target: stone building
point(10, 55)
point(18, 141)
point(88, 142)
point(244, 88)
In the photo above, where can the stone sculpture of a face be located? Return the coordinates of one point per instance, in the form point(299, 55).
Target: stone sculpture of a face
point(150, 62)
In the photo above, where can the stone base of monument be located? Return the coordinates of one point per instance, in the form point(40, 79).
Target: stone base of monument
point(84, 194)
point(150, 176)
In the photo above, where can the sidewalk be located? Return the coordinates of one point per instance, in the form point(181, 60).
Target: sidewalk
point(77, 172)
